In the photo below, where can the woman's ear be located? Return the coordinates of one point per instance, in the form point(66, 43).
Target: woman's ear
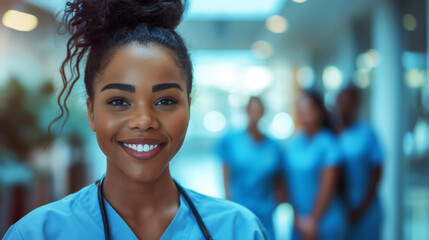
point(90, 108)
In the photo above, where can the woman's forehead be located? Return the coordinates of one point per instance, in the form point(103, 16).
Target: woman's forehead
point(135, 62)
point(136, 53)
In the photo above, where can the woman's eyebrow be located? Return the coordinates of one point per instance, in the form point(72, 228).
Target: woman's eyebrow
point(120, 86)
point(164, 86)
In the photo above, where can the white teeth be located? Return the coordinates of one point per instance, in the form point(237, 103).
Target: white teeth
point(146, 148)
point(141, 148)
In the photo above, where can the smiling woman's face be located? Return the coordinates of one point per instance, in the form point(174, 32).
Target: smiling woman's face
point(140, 111)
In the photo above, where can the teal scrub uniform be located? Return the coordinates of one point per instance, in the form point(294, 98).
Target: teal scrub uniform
point(305, 159)
point(362, 153)
point(253, 167)
point(78, 216)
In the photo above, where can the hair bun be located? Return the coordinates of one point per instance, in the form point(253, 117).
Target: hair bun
point(157, 13)
point(94, 20)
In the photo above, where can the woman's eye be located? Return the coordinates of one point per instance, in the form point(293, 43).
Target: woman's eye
point(166, 101)
point(118, 102)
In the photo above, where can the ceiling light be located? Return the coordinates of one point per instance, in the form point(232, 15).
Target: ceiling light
point(214, 121)
point(362, 78)
point(282, 125)
point(277, 24)
point(19, 21)
point(332, 77)
point(262, 49)
point(256, 79)
point(227, 10)
point(409, 22)
point(415, 78)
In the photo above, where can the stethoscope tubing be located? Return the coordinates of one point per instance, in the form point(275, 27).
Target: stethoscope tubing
point(103, 210)
point(195, 212)
point(182, 191)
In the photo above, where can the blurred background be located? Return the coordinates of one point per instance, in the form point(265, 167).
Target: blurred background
point(240, 48)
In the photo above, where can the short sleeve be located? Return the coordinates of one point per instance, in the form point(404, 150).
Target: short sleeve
point(249, 227)
point(376, 155)
point(12, 234)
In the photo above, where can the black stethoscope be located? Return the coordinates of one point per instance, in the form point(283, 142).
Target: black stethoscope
point(181, 191)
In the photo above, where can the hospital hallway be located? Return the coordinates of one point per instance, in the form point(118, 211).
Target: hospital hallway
point(275, 50)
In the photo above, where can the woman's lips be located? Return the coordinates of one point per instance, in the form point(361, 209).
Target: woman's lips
point(142, 149)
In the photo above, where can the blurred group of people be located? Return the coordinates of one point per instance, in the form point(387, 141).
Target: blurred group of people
point(329, 171)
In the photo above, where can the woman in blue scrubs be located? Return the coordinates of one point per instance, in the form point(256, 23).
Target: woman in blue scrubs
point(311, 170)
point(138, 77)
point(252, 167)
point(362, 169)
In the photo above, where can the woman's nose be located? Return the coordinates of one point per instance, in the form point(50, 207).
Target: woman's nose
point(143, 118)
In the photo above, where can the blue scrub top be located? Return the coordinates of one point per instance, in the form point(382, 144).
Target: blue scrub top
point(78, 216)
point(305, 159)
point(253, 166)
point(362, 153)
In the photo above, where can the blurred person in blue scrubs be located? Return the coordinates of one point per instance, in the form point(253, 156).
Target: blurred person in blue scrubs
point(311, 169)
point(251, 166)
point(138, 78)
point(362, 168)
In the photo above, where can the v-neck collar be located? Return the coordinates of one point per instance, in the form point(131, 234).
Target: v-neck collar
point(254, 141)
point(119, 229)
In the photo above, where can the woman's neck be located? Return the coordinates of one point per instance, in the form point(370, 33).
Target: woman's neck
point(254, 132)
point(311, 131)
point(347, 120)
point(134, 199)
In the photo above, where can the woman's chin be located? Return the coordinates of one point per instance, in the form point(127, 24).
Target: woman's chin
point(146, 176)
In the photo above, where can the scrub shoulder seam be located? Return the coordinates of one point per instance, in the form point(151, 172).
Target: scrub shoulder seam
point(15, 226)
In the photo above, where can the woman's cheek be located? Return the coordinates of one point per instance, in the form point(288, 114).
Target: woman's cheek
point(179, 125)
point(114, 122)
point(108, 125)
